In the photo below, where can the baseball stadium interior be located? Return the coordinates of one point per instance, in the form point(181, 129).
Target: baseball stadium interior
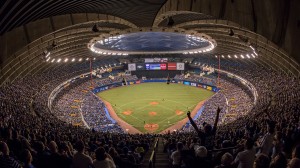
point(149, 83)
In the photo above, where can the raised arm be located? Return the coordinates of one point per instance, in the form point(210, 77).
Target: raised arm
point(217, 119)
point(267, 107)
point(192, 121)
point(267, 113)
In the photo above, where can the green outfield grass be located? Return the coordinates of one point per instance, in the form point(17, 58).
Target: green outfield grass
point(154, 103)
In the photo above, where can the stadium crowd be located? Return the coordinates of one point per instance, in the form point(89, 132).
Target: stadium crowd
point(197, 78)
point(76, 104)
point(32, 136)
point(265, 137)
point(234, 99)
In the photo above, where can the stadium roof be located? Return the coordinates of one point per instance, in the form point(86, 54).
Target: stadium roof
point(30, 30)
point(156, 41)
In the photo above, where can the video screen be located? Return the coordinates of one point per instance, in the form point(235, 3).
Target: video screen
point(155, 66)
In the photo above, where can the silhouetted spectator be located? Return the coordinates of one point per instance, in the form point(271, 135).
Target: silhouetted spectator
point(81, 160)
point(261, 161)
point(103, 159)
point(5, 160)
point(245, 159)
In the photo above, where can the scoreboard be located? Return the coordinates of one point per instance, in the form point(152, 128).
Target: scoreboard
point(156, 66)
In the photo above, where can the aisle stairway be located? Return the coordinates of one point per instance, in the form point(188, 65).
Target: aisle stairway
point(162, 160)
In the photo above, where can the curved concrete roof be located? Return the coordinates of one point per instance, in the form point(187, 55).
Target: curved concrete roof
point(29, 28)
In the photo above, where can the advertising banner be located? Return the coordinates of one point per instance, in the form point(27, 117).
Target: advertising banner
point(189, 83)
point(156, 66)
point(140, 66)
point(163, 66)
point(215, 89)
point(186, 83)
point(172, 66)
point(193, 84)
point(131, 67)
point(180, 66)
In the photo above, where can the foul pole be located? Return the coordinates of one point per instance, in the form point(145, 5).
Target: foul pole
point(219, 71)
point(91, 69)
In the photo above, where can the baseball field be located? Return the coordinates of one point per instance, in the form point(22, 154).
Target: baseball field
point(153, 107)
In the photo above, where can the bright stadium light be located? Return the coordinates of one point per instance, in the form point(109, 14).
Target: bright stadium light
point(248, 56)
point(66, 60)
point(216, 56)
point(48, 54)
point(223, 56)
point(48, 59)
point(80, 59)
point(59, 59)
point(242, 56)
point(94, 59)
point(73, 59)
point(53, 60)
point(252, 55)
point(235, 56)
point(255, 53)
point(87, 59)
point(229, 56)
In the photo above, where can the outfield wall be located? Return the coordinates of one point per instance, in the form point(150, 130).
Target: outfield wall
point(185, 82)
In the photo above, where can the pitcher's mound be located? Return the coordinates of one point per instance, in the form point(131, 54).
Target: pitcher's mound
point(152, 113)
point(153, 103)
point(151, 127)
point(127, 112)
point(179, 112)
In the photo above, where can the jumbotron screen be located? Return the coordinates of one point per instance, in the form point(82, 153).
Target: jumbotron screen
point(156, 66)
